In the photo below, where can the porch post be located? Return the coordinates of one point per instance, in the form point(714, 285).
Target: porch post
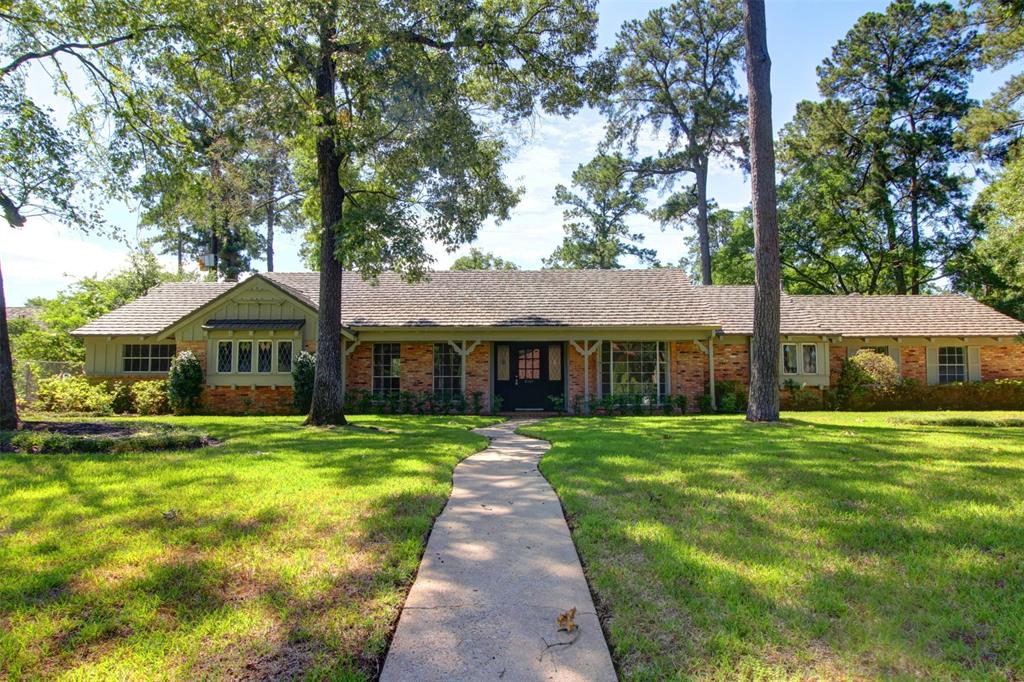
point(463, 351)
point(586, 351)
point(711, 368)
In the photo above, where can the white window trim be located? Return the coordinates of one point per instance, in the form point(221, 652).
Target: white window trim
point(216, 358)
point(256, 357)
point(660, 368)
point(125, 357)
point(782, 359)
point(238, 356)
point(277, 356)
point(964, 365)
point(817, 363)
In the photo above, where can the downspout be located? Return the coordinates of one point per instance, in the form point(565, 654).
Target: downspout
point(711, 369)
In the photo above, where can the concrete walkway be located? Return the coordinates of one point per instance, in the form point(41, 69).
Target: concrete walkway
point(499, 568)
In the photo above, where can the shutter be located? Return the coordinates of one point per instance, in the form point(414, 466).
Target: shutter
point(554, 363)
point(503, 363)
point(973, 363)
point(931, 355)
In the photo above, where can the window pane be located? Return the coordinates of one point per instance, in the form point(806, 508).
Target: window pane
point(387, 368)
point(528, 363)
point(245, 356)
point(264, 356)
point(224, 352)
point(789, 359)
point(284, 356)
point(810, 358)
point(634, 367)
point(952, 364)
point(447, 370)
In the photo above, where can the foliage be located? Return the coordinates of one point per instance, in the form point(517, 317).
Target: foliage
point(185, 383)
point(1002, 394)
point(73, 394)
point(731, 237)
point(191, 527)
point(731, 396)
point(873, 199)
point(151, 397)
point(704, 404)
point(879, 368)
point(597, 234)
point(144, 440)
point(674, 72)
point(482, 260)
point(801, 397)
point(303, 373)
point(121, 399)
point(735, 528)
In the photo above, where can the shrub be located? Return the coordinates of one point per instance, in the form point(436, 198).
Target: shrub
point(731, 396)
point(557, 402)
point(122, 401)
point(477, 402)
point(496, 404)
point(801, 397)
point(705, 404)
point(184, 384)
point(1003, 394)
point(682, 402)
point(727, 403)
point(303, 373)
point(151, 397)
point(878, 369)
point(73, 394)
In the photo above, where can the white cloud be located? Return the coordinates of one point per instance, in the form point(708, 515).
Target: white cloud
point(43, 257)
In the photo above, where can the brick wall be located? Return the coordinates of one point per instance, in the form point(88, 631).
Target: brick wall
point(478, 372)
point(359, 367)
point(1002, 362)
point(732, 362)
point(417, 367)
point(249, 400)
point(577, 373)
point(689, 371)
point(836, 358)
point(912, 363)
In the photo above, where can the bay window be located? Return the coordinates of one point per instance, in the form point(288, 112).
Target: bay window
point(634, 367)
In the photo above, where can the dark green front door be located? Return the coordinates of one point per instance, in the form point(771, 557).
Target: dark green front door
point(526, 373)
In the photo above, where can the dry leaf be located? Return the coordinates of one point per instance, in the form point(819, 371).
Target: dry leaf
point(567, 621)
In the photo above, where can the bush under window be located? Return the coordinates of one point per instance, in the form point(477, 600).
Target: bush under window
point(184, 384)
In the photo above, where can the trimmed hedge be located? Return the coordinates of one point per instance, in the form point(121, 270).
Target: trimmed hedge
point(1002, 394)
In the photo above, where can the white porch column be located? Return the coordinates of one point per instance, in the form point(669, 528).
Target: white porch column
point(588, 349)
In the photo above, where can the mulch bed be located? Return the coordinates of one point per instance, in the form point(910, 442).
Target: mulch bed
point(81, 428)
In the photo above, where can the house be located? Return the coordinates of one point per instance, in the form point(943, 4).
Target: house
point(528, 335)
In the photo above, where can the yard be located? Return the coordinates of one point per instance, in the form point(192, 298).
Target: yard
point(833, 546)
point(285, 551)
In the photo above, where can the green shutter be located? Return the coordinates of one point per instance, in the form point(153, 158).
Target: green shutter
point(932, 364)
point(974, 363)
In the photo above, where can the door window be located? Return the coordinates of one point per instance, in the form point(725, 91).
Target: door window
point(528, 363)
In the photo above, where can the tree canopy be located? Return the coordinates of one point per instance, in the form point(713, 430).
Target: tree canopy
point(478, 259)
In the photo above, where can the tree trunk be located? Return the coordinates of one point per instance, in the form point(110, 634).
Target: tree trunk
point(764, 345)
point(328, 405)
point(915, 233)
point(271, 216)
point(703, 235)
point(8, 404)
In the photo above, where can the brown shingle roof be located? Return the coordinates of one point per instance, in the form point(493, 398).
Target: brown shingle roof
point(540, 298)
point(157, 310)
point(863, 315)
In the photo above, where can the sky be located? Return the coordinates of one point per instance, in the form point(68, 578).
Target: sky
point(44, 257)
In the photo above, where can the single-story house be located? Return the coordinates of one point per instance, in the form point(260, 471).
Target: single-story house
point(527, 335)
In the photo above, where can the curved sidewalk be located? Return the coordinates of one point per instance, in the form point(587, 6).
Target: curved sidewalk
point(499, 568)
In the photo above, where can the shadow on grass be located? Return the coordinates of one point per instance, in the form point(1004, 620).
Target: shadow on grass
point(284, 553)
point(828, 547)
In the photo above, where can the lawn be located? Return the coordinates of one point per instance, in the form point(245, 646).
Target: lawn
point(284, 552)
point(832, 546)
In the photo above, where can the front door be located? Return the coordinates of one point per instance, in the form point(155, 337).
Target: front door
point(525, 374)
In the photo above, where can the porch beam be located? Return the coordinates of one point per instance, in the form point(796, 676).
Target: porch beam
point(588, 349)
point(463, 351)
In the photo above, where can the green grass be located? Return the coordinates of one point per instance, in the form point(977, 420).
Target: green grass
point(284, 552)
point(833, 546)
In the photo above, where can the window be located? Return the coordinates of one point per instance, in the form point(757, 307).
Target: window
point(633, 367)
point(447, 371)
point(952, 364)
point(789, 361)
point(387, 367)
point(225, 352)
point(528, 363)
point(264, 356)
point(147, 357)
point(245, 356)
point(810, 358)
point(284, 356)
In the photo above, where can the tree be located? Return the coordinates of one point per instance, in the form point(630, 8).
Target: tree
point(764, 344)
point(674, 72)
point(904, 75)
point(88, 49)
point(595, 221)
point(731, 237)
point(482, 260)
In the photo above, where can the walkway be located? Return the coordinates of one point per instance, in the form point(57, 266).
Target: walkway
point(499, 568)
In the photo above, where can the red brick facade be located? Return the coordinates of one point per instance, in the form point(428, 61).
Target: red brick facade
point(577, 374)
point(249, 400)
point(689, 371)
point(912, 363)
point(732, 362)
point(836, 357)
point(1002, 362)
point(478, 373)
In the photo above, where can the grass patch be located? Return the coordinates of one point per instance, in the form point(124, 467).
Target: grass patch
point(286, 552)
point(91, 437)
point(844, 546)
point(990, 420)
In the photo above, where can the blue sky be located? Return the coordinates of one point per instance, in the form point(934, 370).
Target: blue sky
point(44, 257)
